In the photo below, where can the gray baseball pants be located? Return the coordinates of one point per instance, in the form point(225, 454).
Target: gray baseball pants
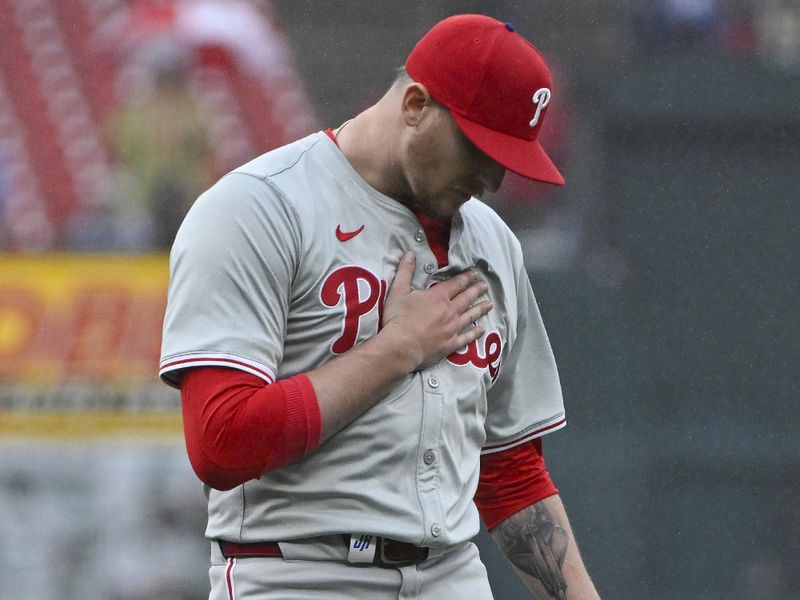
point(310, 572)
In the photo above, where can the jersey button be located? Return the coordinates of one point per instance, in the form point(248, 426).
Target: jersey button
point(433, 382)
point(429, 457)
point(429, 268)
point(436, 531)
point(419, 235)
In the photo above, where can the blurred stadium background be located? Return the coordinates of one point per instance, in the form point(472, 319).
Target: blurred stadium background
point(666, 270)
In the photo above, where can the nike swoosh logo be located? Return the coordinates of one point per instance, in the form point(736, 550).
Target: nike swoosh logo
point(343, 236)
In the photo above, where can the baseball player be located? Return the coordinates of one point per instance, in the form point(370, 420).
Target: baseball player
point(362, 364)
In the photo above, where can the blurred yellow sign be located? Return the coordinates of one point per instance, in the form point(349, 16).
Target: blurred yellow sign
point(80, 338)
point(94, 318)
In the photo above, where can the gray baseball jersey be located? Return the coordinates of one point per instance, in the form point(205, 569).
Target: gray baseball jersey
point(283, 265)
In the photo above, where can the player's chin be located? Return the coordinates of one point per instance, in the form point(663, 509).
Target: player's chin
point(446, 204)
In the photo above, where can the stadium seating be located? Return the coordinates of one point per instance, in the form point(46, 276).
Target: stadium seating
point(58, 84)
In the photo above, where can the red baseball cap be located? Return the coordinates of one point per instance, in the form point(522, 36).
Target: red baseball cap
point(496, 85)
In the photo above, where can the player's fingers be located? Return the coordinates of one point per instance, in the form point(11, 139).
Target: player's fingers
point(456, 285)
point(474, 313)
point(469, 335)
point(405, 272)
point(468, 296)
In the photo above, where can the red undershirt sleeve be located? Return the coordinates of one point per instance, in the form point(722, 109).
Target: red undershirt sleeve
point(237, 427)
point(512, 480)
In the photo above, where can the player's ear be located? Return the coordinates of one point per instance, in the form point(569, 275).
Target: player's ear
point(414, 102)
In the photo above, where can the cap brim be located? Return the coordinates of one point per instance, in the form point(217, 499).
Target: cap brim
point(524, 157)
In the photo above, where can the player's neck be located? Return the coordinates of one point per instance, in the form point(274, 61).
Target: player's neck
point(367, 143)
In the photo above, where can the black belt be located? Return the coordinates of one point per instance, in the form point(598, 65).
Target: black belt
point(388, 552)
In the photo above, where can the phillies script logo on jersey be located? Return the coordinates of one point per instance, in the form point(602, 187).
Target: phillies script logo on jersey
point(489, 358)
point(361, 292)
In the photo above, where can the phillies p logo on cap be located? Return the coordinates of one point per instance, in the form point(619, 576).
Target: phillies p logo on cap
point(541, 99)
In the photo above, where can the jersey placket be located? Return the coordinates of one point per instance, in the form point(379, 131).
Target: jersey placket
point(427, 467)
point(428, 452)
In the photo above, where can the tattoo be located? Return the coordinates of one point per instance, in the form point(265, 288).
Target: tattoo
point(536, 546)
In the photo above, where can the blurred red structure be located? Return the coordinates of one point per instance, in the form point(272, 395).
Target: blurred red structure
point(61, 67)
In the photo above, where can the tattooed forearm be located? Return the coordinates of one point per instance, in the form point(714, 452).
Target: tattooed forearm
point(536, 543)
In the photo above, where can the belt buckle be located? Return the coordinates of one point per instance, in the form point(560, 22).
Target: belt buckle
point(384, 561)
